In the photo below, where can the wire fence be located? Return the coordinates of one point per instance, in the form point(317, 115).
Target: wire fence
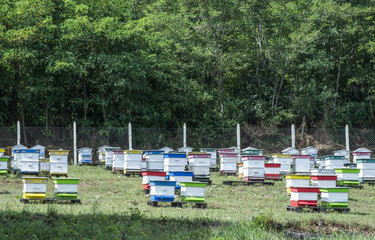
point(272, 140)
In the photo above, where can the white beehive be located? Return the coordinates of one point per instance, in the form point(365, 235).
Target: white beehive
point(301, 163)
point(118, 160)
point(193, 191)
point(304, 196)
point(213, 152)
point(109, 156)
point(154, 160)
point(174, 162)
point(228, 162)
point(297, 181)
point(343, 152)
point(290, 151)
point(4, 165)
point(162, 191)
point(133, 160)
point(58, 162)
point(34, 187)
point(148, 176)
point(199, 163)
point(336, 197)
point(272, 170)
point(285, 160)
point(361, 153)
point(102, 154)
point(29, 160)
point(85, 155)
point(333, 162)
point(42, 153)
point(367, 167)
point(253, 166)
point(323, 180)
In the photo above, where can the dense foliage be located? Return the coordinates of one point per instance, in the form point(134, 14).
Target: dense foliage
point(159, 63)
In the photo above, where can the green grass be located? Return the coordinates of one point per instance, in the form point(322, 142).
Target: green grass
point(114, 207)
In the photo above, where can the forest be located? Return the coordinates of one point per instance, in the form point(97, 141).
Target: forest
point(209, 63)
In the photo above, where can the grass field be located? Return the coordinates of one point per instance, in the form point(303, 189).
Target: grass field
point(114, 207)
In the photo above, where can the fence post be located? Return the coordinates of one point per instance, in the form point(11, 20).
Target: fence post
point(293, 136)
point(184, 135)
point(130, 136)
point(347, 138)
point(75, 142)
point(238, 136)
point(18, 133)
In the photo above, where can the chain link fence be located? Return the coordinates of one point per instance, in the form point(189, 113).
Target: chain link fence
point(272, 140)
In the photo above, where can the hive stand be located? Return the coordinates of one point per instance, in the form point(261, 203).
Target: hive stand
point(236, 183)
point(50, 201)
point(118, 171)
point(58, 175)
point(132, 173)
point(370, 182)
point(214, 169)
point(350, 186)
point(177, 204)
point(228, 173)
point(319, 209)
point(274, 179)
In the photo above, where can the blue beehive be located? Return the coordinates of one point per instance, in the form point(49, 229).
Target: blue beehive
point(162, 191)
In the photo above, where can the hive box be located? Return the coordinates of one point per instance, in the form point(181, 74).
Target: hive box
point(301, 163)
point(58, 161)
point(348, 176)
point(180, 177)
point(193, 191)
point(290, 151)
point(252, 151)
point(361, 153)
point(66, 188)
point(148, 176)
point(343, 152)
point(253, 167)
point(228, 162)
point(174, 162)
point(102, 153)
point(297, 181)
point(4, 165)
point(44, 164)
point(324, 181)
point(367, 167)
point(109, 156)
point(154, 160)
point(28, 166)
point(304, 196)
point(162, 191)
point(333, 162)
point(272, 170)
point(118, 160)
point(133, 160)
point(213, 152)
point(34, 187)
point(85, 155)
point(285, 160)
point(199, 163)
point(334, 197)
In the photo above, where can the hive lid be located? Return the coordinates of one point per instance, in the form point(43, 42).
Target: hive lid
point(347, 170)
point(290, 150)
point(272, 165)
point(251, 149)
point(166, 149)
point(85, 148)
point(341, 152)
point(363, 150)
point(208, 149)
point(133, 152)
point(310, 150)
point(336, 189)
point(163, 183)
point(193, 184)
point(174, 155)
point(333, 157)
point(58, 152)
point(305, 189)
point(66, 180)
point(185, 149)
point(370, 160)
point(254, 157)
point(187, 174)
point(279, 155)
point(153, 152)
point(154, 173)
point(297, 176)
point(26, 151)
point(20, 146)
point(199, 155)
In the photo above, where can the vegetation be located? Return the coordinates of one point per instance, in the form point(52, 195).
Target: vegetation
point(159, 63)
point(114, 207)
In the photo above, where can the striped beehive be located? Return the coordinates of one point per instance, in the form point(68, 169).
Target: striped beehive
point(285, 161)
point(66, 188)
point(193, 191)
point(228, 162)
point(297, 181)
point(336, 197)
point(361, 153)
point(34, 187)
point(304, 196)
point(272, 170)
point(148, 176)
point(85, 155)
point(162, 191)
point(4, 165)
point(367, 167)
point(323, 180)
point(348, 176)
point(174, 162)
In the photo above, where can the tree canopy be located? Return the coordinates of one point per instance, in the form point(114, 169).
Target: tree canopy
point(209, 63)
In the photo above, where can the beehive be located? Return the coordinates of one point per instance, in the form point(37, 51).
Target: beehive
point(162, 191)
point(193, 191)
point(66, 188)
point(348, 176)
point(252, 151)
point(174, 162)
point(304, 196)
point(58, 161)
point(180, 177)
point(285, 160)
point(34, 187)
point(333, 161)
point(213, 152)
point(297, 181)
point(343, 152)
point(148, 176)
point(253, 167)
point(118, 160)
point(199, 164)
point(42, 153)
point(361, 153)
point(367, 167)
point(133, 160)
point(85, 155)
point(290, 151)
point(4, 165)
point(334, 197)
point(29, 160)
point(272, 170)
point(323, 180)
point(301, 163)
point(228, 162)
point(44, 164)
point(154, 160)
point(2, 152)
point(109, 156)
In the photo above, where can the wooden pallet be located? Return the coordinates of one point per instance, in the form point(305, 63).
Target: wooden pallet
point(135, 173)
point(224, 173)
point(317, 209)
point(177, 204)
point(118, 171)
point(274, 179)
point(51, 200)
point(351, 186)
point(369, 182)
point(58, 175)
point(234, 183)
point(25, 174)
